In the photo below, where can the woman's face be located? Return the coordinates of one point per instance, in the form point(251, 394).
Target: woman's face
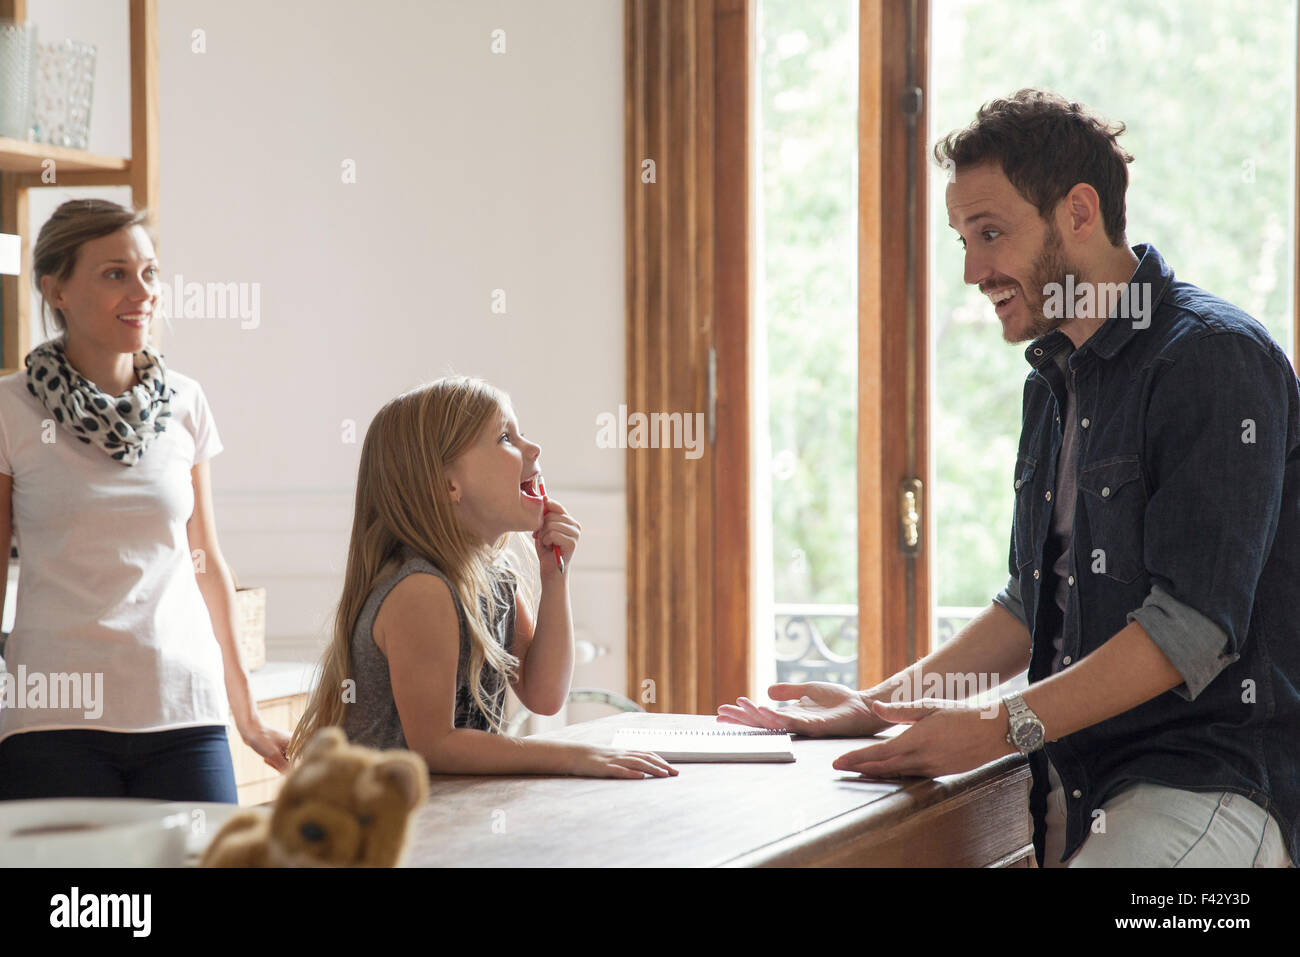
point(109, 299)
point(487, 480)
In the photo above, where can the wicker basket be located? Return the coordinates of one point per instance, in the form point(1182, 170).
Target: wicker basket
point(250, 626)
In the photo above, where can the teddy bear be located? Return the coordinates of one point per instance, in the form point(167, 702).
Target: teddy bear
point(341, 806)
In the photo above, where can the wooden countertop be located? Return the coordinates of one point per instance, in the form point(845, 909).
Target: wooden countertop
point(710, 815)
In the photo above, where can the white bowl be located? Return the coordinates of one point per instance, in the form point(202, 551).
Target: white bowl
point(201, 821)
point(79, 832)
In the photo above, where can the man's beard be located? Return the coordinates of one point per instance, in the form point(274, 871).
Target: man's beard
point(1049, 267)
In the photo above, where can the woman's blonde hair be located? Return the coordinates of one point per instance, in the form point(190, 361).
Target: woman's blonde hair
point(72, 225)
point(403, 499)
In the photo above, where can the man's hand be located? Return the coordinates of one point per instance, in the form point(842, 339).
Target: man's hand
point(944, 739)
point(824, 710)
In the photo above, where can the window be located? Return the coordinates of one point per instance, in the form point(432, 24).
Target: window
point(805, 328)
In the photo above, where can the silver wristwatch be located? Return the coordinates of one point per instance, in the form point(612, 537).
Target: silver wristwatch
point(1026, 730)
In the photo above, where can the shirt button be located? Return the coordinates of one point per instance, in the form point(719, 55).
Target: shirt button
point(1084, 422)
point(1017, 485)
point(1105, 493)
point(1049, 496)
point(1077, 793)
point(1070, 580)
point(1065, 661)
point(1035, 574)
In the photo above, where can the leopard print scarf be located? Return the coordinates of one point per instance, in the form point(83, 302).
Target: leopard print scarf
point(123, 426)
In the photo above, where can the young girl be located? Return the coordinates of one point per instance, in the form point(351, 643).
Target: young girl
point(104, 475)
point(431, 626)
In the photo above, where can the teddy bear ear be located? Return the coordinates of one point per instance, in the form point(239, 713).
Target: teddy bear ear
point(325, 740)
point(406, 775)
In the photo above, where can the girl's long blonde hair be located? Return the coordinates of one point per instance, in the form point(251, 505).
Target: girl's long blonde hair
point(403, 499)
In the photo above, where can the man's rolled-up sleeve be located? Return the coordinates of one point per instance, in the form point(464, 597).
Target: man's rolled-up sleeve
point(1217, 428)
point(1009, 598)
point(1193, 644)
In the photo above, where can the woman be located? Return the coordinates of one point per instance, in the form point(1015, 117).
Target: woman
point(104, 477)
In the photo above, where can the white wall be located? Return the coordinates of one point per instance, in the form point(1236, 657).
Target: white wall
point(475, 171)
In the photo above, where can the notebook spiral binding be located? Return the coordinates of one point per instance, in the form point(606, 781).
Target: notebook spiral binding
point(708, 731)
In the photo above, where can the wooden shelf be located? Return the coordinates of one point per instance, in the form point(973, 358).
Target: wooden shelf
point(21, 171)
point(19, 156)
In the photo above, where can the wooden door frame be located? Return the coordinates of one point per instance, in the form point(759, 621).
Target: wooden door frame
point(687, 180)
point(1295, 219)
point(733, 622)
point(893, 582)
point(690, 567)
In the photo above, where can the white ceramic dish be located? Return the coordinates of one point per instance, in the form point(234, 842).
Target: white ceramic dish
point(76, 832)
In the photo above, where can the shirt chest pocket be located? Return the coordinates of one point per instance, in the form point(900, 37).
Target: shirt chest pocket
point(1024, 511)
point(1114, 499)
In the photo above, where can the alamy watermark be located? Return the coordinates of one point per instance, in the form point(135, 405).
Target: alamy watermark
point(1073, 300)
point(949, 690)
point(57, 690)
point(211, 300)
point(75, 909)
point(657, 430)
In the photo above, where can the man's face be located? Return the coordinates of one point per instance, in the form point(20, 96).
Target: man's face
point(1010, 249)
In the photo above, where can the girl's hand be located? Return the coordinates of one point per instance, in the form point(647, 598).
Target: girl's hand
point(270, 743)
point(558, 528)
point(593, 762)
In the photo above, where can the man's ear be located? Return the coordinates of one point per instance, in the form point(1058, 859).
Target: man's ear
point(1083, 208)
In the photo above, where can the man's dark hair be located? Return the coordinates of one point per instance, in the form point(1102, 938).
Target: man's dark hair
point(1046, 146)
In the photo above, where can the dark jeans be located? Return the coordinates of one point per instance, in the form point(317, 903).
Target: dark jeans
point(185, 764)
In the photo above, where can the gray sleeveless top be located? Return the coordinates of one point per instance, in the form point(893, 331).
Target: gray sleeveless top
point(372, 720)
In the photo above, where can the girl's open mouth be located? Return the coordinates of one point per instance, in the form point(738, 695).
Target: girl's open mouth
point(532, 489)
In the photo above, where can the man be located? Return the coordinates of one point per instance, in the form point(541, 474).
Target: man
point(1155, 549)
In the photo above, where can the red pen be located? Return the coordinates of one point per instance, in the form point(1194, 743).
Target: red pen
point(559, 558)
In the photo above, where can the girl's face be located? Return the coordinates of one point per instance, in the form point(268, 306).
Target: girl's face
point(487, 482)
point(109, 299)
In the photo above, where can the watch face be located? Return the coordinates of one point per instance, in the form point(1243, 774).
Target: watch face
point(1029, 735)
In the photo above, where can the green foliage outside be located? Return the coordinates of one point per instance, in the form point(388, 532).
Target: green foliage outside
point(808, 93)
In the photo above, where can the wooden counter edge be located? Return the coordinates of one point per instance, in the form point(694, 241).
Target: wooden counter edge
point(980, 819)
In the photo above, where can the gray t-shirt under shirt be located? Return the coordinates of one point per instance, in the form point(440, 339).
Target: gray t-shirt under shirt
point(372, 720)
point(1067, 475)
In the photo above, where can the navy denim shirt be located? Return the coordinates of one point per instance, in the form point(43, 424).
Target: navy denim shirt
point(1188, 498)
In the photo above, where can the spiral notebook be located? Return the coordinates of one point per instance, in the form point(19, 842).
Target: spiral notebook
point(709, 745)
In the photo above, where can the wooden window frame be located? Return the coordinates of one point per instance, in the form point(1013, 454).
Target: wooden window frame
point(690, 562)
point(1295, 217)
point(687, 244)
point(893, 579)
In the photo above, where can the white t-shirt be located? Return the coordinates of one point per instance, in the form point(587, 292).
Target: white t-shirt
point(107, 584)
